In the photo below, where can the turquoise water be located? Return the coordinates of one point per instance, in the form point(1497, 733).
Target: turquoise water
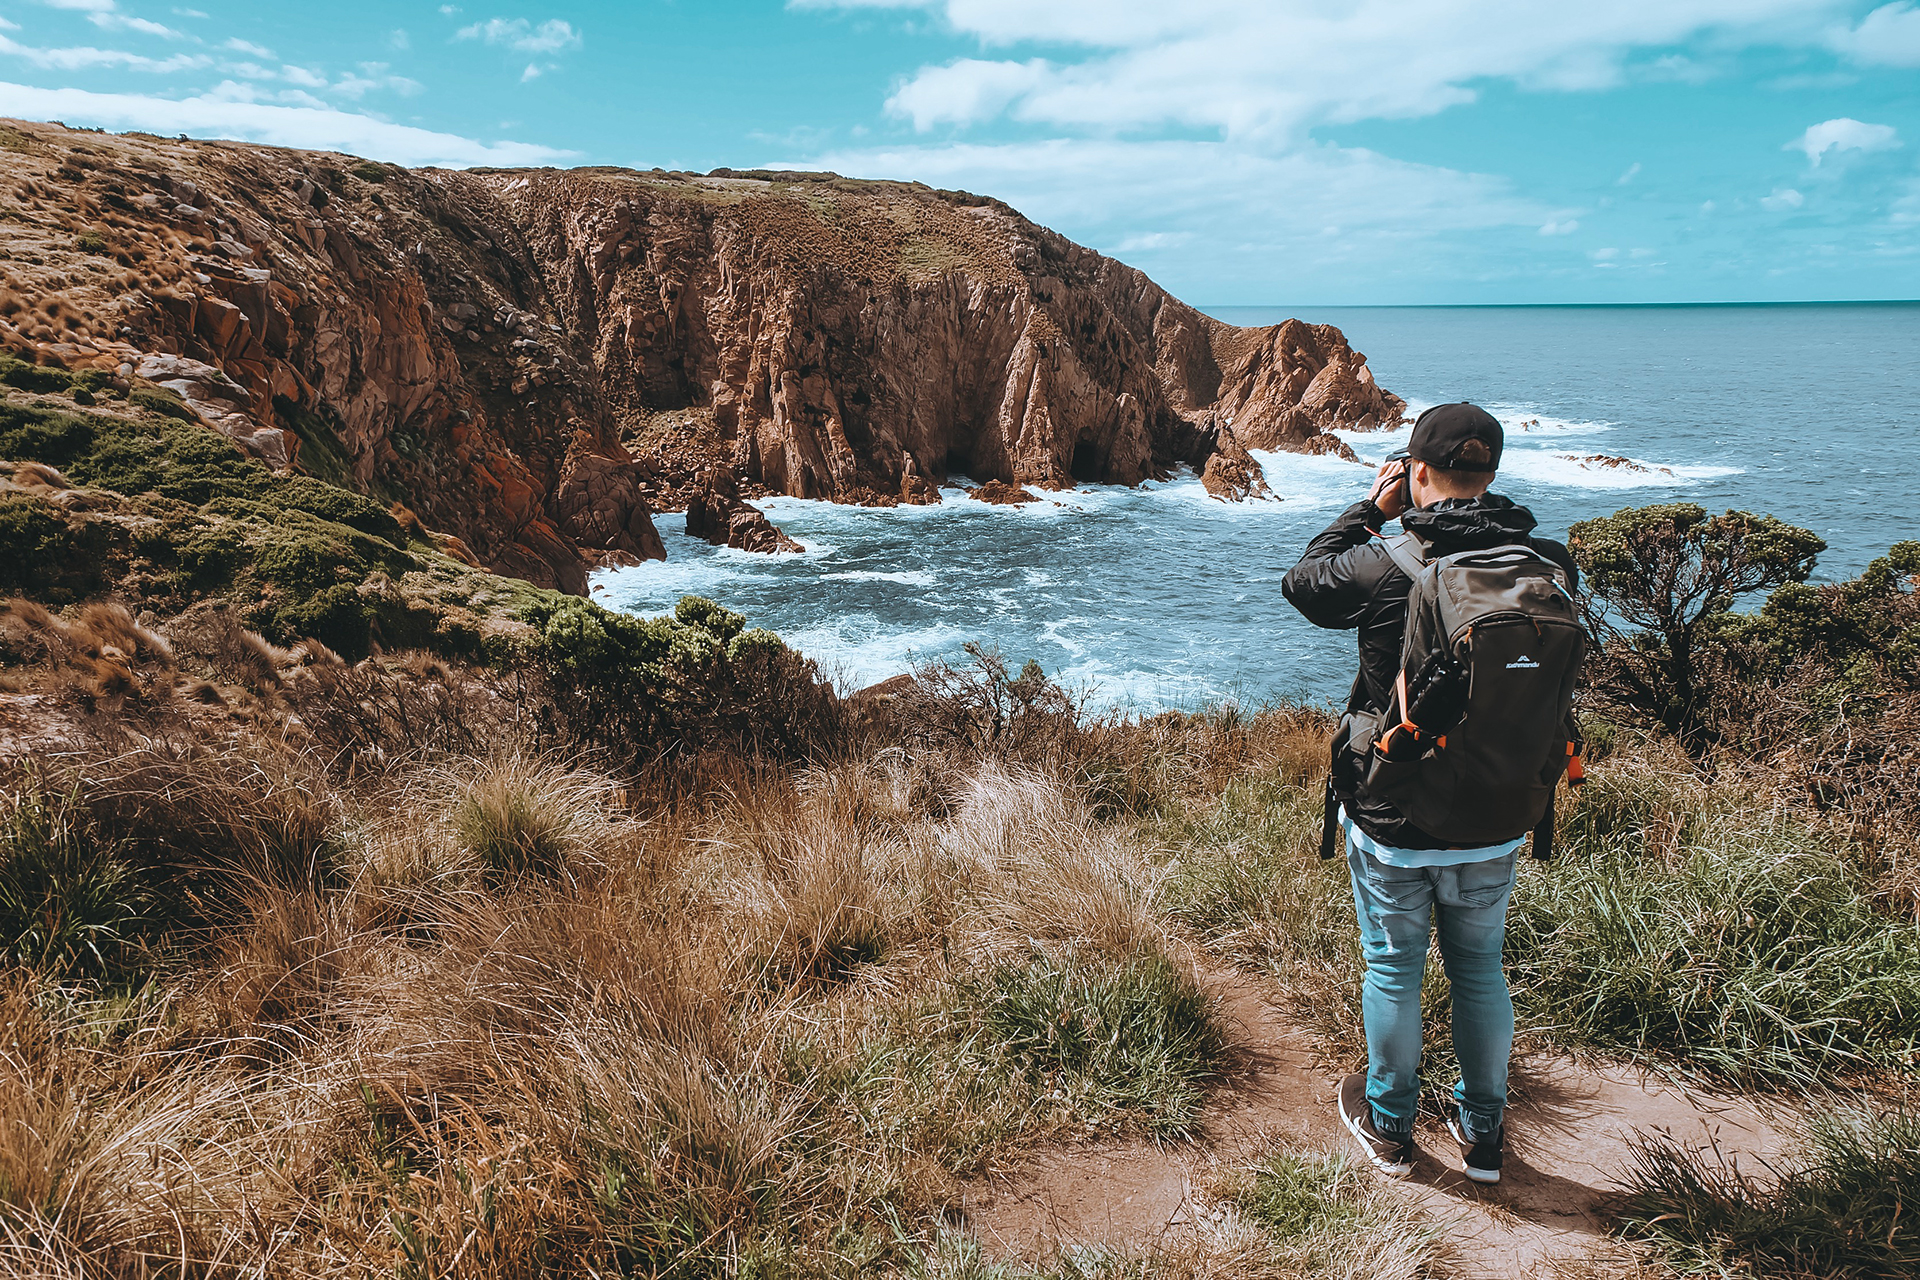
point(1161, 596)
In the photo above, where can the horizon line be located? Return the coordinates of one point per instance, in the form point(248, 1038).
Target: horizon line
point(1516, 306)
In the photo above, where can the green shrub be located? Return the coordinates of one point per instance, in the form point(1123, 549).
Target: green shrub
point(90, 242)
point(69, 905)
point(696, 679)
point(32, 377)
point(1137, 1038)
point(1677, 927)
point(1845, 1210)
point(41, 554)
point(164, 402)
point(1663, 580)
point(368, 171)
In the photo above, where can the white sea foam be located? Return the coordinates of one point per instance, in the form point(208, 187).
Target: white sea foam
point(1311, 482)
point(1599, 471)
point(906, 578)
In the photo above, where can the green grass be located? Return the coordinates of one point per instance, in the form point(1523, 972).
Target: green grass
point(1676, 924)
point(1684, 927)
point(1845, 1210)
point(299, 553)
point(1132, 1042)
point(1327, 1215)
point(69, 905)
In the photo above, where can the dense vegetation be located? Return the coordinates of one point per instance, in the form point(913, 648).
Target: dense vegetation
point(554, 940)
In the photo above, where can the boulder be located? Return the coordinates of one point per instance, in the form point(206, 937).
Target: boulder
point(1001, 494)
point(1231, 474)
point(717, 513)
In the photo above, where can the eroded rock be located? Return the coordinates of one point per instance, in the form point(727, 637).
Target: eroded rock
point(717, 513)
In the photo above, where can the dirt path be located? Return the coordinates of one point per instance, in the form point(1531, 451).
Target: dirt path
point(1569, 1128)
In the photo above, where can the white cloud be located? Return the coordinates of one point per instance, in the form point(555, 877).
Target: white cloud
point(1633, 171)
point(1147, 242)
point(323, 128)
point(551, 36)
point(373, 76)
point(8, 26)
point(189, 13)
point(1887, 37)
point(1276, 69)
point(1225, 193)
point(83, 57)
point(964, 91)
point(1783, 198)
point(125, 22)
point(1844, 134)
point(247, 47)
point(1563, 227)
point(106, 15)
point(399, 39)
point(303, 77)
point(1604, 255)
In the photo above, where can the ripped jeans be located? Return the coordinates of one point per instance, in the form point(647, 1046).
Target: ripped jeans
point(1398, 909)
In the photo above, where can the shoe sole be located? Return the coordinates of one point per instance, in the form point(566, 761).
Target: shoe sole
point(1386, 1168)
point(1484, 1176)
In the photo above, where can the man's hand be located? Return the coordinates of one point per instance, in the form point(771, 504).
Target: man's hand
point(1388, 494)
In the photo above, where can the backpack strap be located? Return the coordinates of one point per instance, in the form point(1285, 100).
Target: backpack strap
point(1407, 552)
point(1330, 803)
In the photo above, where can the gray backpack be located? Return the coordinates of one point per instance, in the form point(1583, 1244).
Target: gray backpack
point(1480, 727)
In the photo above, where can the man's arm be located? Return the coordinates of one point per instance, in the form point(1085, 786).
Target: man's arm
point(1327, 586)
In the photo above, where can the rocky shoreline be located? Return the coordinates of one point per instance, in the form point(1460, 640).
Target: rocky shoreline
point(494, 348)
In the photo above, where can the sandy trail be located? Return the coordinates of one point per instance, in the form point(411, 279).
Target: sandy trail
point(1569, 1128)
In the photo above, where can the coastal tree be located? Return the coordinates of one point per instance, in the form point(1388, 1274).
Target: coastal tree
point(1662, 582)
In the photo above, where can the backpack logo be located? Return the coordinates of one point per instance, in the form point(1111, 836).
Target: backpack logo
point(1522, 661)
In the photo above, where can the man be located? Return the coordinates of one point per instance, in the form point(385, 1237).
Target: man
point(1406, 882)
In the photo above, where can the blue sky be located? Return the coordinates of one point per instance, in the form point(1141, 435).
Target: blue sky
point(1350, 151)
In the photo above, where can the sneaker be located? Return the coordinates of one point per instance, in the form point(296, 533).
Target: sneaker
point(1478, 1160)
point(1392, 1156)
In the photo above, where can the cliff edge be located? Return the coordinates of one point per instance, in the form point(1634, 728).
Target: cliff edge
point(533, 360)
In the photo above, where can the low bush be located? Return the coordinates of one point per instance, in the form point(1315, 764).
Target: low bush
point(163, 402)
point(1130, 1040)
point(32, 377)
point(521, 817)
point(1680, 925)
point(70, 906)
point(697, 680)
point(44, 554)
point(1839, 1212)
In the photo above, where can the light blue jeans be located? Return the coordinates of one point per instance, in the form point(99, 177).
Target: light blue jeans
point(1399, 908)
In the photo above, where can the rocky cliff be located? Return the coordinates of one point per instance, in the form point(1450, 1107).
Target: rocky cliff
point(526, 358)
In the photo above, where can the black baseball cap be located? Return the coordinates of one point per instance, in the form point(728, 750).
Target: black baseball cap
point(1457, 437)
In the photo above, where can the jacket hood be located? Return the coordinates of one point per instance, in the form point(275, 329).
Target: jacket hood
point(1469, 524)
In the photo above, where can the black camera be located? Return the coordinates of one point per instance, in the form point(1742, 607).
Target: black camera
point(1405, 460)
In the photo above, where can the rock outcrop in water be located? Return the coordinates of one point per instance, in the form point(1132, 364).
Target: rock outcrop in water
point(497, 348)
point(717, 513)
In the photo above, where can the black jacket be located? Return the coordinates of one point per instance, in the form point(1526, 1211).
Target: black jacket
point(1346, 580)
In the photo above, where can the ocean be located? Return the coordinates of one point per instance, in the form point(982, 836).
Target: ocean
point(1163, 597)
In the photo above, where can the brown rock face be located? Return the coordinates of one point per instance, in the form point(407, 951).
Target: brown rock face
point(1001, 494)
point(1231, 474)
point(374, 326)
point(717, 513)
point(499, 348)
